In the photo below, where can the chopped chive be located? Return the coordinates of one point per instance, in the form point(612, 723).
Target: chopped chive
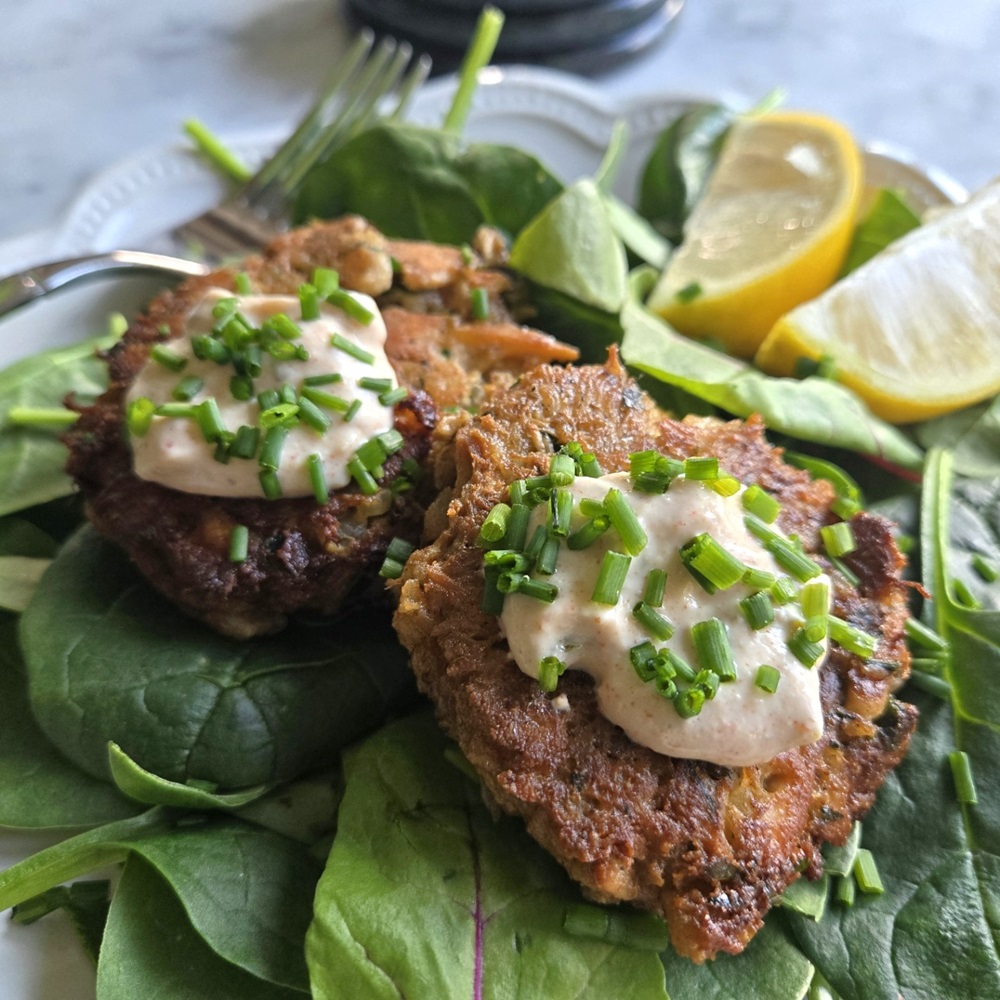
point(40, 417)
point(187, 411)
point(845, 507)
point(241, 387)
point(495, 525)
point(758, 610)
point(270, 449)
point(866, 873)
point(372, 455)
point(679, 666)
point(689, 703)
point(393, 396)
point(783, 590)
point(852, 638)
point(309, 302)
point(518, 492)
point(373, 384)
point(249, 361)
point(936, 686)
point(923, 635)
point(139, 415)
point(312, 416)
point(287, 393)
point(815, 628)
point(354, 350)
point(242, 282)
point(592, 508)
point(642, 656)
point(589, 466)
point(846, 890)
point(760, 503)
point(987, 570)
point(207, 348)
point(562, 469)
point(245, 442)
point(640, 931)
point(845, 571)
point(364, 479)
point(550, 669)
point(480, 302)
point(656, 583)
point(508, 559)
point(210, 419)
point(725, 486)
point(625, 522)
point(588, 533)
point(561, 511)
point(838, 539)
point(268, 398)
point(541, 590)
point(814, 598)
point(517, 526)
point(270, 484)
point(611, 578)
point(239, 543)
point(666, 686)
point(793, 559)
point(537, 542)
point(708, 682)
point(701, 468)
point(711, 643)
point(187, 388)
point(710, 563)
point(767, 678)
point(283, 415)
point(656, 624)
point(168, 357)
point(929, 664)
point(347, 303)
point(330, 378)
point(758, 579)
point(549, 555)
point(317, 478)
point(222, 447)
point(689, 292)
point(396, 554)
point(964, 596)
point(325, 280)
point(961, 770)
point(807, 652)
point(328, 400)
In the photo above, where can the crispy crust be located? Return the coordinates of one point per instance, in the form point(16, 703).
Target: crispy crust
point(708, 847)
point(302, 555)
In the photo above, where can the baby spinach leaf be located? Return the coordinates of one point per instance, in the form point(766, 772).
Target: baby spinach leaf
point(246, 891)
point(143, 786)
point(39, 788)
point(971, 435)
point(110, 661)
point(32, 459)
point(571, 246)
point(85, 903)
point(421, 183)
point(422, 895)
point(592, 330)
point(19, 575)
point(811, 409)
point(936, 930)
point(639, 237)
point(888, 218)
point(151, 950)
point(679, 167)
point(771, 968)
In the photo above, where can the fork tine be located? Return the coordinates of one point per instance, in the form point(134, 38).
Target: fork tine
point(311, 123)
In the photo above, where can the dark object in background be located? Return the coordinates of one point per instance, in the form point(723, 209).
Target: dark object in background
point(584, 36)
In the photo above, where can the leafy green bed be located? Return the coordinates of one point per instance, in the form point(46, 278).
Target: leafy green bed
point(213, 771)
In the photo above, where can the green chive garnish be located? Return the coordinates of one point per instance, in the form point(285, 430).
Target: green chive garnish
point(270, 449)
point(793, 559)
point(689, 703)
point(239, 543)
point(312, 416)
point(242, 282)
point(611, 579)
point(548, 555)
point(640, 931)
point(364, 479)
point(714, 567)
point(270, 484)
point(309, 302)
point(701, 468)
point(373, 384)
point(139, 415)
point(330, 378)
point(761, 504)
point(987, 570)
point(317, 478)
point(758, 610)
point(495, 525)
point(656, 624)
point(480, 302)
point(327, 400)
point(561, 511)
point(851, 638)
point(767, 678)
point(492, 599)
point(396, 554)
point(541, 590)
point(866, 873)
point(393, 396)
point(656, 583)
point(245, 442)
point(241, 387)
point(961, 770)
point(588, 533)
point(325, 280)
point(347, 303)
point(282, 415)
point(210, 419)
point(711, 643)
point(758, 579)
point(184, 411)
point(207, 348)
point(845, 890)
point(624, 521)
point(187, 388)
point(550, 669)
point(803, 649)
point(708, 682)
point(562, 469)
point(783, 590)
point(167, 357)
point(814, 599)
point(922, 635)
point(268, 398)
point(838, 539)
point(725, 486)
point(354, 350)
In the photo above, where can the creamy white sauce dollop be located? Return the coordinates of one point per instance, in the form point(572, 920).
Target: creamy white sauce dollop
point(174, 451)
point(743, 725)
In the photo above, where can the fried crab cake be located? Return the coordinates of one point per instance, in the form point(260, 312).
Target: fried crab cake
point(706, 846)
point(448, 337)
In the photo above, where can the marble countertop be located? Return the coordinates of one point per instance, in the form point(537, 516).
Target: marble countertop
point(83, 85)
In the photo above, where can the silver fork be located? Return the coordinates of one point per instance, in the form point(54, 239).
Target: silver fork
point(365, 84)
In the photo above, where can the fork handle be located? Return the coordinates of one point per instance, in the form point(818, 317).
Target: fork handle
point(19, 289)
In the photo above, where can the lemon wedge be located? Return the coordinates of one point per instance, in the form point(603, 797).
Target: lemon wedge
point(916, 330)
point(770, 231)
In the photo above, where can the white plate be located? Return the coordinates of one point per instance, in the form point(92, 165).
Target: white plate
point(559, 118)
